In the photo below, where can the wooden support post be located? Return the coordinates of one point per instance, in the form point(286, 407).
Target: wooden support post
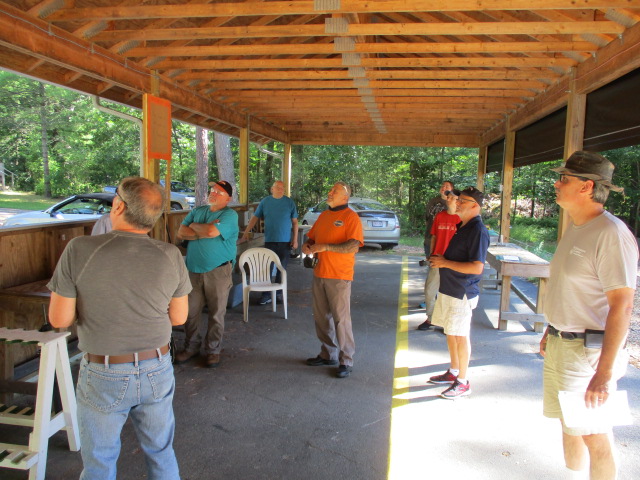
point(243, 191)
point(507, 184)
point(156, 127)
point(482, 167)
point(504, 301)
point(286, 169)
point(573, 135)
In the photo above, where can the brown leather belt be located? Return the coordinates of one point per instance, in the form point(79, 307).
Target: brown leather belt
point(129, 358)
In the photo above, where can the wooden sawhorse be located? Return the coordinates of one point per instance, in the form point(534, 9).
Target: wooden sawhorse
point(54, 365)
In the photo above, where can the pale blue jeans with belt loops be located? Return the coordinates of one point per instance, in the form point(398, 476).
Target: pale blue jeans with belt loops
point(107, 396)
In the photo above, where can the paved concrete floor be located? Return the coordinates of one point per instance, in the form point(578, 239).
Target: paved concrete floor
point(264, 414)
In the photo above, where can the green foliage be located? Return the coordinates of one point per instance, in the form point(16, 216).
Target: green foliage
point(412, 241)
point(88, 149)
point(627, 175)
point(403, 178)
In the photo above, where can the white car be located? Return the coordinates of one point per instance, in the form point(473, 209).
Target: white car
point(379, 224)
point(182, 197)
point(86, 206)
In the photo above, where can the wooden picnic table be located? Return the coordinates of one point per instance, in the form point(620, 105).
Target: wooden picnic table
point(510, 260)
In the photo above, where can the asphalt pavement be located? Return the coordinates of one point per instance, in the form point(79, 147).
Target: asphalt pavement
point(265, 414)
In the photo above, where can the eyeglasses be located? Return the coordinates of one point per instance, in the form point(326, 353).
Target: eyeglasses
point(464, 200)
point(564, 178)
point(218, 192)
point(122, 199)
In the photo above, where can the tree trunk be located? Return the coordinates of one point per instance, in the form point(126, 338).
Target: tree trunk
point(44, 138)
point(224, 159)
point(268, 167)
point(178, 149)
point(533, 199)
point(297, 168)
point(202, 166)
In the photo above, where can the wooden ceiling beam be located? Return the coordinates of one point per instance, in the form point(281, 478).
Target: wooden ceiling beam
point(612, 61)
point(389, 48)
point(469, 108)
point(422, 74)
point(252, 8)
point(412, 62)
point(312, 137)
point(319, 30)
point(375, 84)
point(462, 93)
point(33, 37)
point(323, 113)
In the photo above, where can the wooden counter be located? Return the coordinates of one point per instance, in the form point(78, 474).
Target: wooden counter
point(510, 260)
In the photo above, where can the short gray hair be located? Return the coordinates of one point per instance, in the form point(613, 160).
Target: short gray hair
point(346, 187)
point(145, 201)
point(600, 192)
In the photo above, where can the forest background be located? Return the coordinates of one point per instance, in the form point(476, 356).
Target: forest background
point(56, 143)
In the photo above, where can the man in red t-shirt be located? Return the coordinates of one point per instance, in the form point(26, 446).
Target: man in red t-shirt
point(335, 239)
point(442, 230)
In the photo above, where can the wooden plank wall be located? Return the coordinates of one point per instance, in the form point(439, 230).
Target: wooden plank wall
point(28, 257)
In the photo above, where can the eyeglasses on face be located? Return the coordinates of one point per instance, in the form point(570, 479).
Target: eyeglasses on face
point(218, 192)
point(564, 178)
point(464, 200)
point(122, 199)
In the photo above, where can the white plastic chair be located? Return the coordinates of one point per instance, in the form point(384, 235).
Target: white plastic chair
point(258, 262)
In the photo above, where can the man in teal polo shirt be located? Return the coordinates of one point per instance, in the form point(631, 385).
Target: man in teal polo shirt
point(280, 220)
point(212, 231)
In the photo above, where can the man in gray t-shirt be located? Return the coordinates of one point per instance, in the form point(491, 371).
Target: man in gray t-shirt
point(588, 307)
point(126, 290)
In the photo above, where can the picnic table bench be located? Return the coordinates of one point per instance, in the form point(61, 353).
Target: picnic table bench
point(510, 260)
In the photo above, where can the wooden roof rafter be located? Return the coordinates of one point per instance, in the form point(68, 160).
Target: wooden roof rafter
point(375, 66)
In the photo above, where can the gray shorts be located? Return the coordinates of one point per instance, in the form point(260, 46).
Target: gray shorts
point(569, 366)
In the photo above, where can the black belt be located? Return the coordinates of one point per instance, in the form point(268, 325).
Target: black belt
point(129, 358)
point(223, 264)
point(566, 335)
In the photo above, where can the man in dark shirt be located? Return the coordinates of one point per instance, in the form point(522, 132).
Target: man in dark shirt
point(460, 272)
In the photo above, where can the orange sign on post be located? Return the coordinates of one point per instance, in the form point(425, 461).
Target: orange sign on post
point(157, 134)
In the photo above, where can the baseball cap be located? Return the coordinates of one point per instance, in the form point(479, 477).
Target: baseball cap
point(474, 193)
point(592, 166)
point(225, 185)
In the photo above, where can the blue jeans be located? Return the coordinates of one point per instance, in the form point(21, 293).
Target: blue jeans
point(107, 396)
point(283, 250)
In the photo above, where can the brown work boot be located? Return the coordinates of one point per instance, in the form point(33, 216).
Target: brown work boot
point(212, 360)
point(184, 356)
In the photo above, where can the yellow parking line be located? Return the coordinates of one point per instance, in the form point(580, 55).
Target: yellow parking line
point(397, 463)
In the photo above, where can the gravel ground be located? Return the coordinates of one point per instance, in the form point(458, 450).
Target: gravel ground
point(633, 342)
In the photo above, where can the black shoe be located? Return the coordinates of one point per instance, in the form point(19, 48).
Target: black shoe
point(265, 300)
point(319, 361)
point(426, 325)
point(344, 371)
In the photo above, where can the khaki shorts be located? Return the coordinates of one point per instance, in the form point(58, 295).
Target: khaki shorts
point(454, 315)
point(569, 366)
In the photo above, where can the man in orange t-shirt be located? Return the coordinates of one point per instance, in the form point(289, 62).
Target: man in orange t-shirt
point(335, 239)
